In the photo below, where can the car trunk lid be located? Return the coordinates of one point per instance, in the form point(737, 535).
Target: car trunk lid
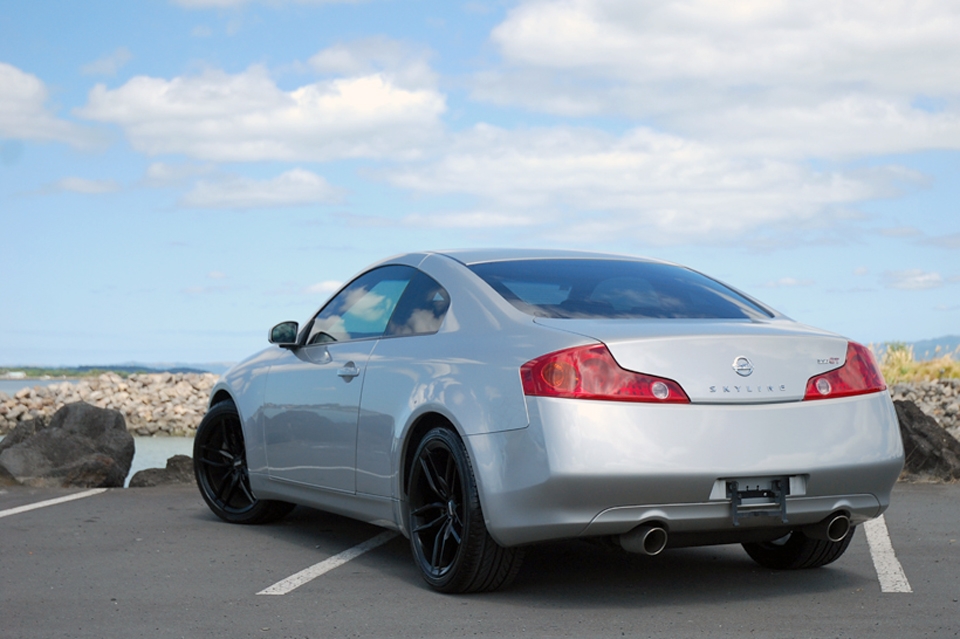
point(729, 362)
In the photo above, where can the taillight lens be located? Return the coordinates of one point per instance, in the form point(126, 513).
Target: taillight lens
point(858, 376)
point(590, 372)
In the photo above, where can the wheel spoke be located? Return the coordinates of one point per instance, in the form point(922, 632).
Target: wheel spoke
point(430, 474)
point(230, 480)
point(448, 534)
point(214, 450)
point(450, 476)
point(429, 525)
point(215, 464)
point(232, 439)
point(422, 509)
point(245, 488)
point(437, 546)
point(235, 483)
point(453, 529)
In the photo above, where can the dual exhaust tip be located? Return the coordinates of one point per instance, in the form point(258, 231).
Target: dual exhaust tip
point(646, 539)
point(651, 539)
point(834, 528)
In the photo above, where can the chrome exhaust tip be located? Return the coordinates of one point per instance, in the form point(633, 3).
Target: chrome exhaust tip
point(645, 540)
point(834, 528)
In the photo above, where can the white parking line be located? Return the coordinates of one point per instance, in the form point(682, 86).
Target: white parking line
point(889, 571)
point(309, 574)
point(51, 502)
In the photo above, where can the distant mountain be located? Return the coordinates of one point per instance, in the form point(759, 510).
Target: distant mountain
point(127, 368)
point(938, 347)
point(166, 367)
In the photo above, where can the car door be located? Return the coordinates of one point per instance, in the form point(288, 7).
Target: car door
point(312, 396)
point(400, 365)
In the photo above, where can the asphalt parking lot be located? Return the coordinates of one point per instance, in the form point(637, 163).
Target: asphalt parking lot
point(156, 563)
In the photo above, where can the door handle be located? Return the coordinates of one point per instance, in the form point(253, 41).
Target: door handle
point(349, 371)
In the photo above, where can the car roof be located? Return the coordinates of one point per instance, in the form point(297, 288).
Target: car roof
point(478, 256)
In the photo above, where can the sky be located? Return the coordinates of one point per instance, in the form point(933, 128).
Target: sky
point(176, 176)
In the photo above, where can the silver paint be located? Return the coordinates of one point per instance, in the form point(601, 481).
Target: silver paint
point(330, 425)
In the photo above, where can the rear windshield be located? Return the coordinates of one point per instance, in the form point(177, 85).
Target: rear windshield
point(616, 289)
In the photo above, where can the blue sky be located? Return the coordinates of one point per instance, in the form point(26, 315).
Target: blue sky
point(177, 176)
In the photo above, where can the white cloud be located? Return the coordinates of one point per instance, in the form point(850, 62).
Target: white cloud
point(163, 174)
point(24, 114)
point(815, 78)
point(840, 126)
point(327, 287)
point(108, 64)
point(893, 45)
point(901, 231)
point(403, 65)
point(788, 282)
point(297, 187)
point(470, 220)
point(584, 185)
point(205, 290)
point(951, 241)
point(912, 280)
point(247, 117)
point(85, 186)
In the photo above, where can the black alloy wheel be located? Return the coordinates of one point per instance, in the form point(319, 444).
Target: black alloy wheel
point(220, 466)
point(450, 542)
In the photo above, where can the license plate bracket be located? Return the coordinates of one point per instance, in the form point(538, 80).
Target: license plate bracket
point(760, 499)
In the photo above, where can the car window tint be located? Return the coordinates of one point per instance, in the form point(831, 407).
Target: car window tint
point(421, 309)
point(596, 288)
point(363, 309)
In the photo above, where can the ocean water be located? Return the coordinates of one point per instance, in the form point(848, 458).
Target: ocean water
point(153, 452)
point(12, 386)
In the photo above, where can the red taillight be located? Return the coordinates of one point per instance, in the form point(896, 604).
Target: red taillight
point(590, 372)
point(859, 375)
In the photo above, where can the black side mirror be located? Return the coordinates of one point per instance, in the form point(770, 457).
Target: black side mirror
point(284, 334)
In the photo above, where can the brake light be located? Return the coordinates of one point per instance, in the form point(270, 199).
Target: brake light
point(858, 376)
point(590, 372)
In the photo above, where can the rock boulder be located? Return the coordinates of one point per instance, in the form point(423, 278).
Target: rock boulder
point(931, 452)
point(179, 470)
point(82, 446)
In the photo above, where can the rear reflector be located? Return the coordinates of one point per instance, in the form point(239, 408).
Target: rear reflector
point(859, 375)
point(591, 372)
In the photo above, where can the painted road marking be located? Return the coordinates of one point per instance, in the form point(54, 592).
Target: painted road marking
point(307, 575)
point(889, 571)
point(51, 502)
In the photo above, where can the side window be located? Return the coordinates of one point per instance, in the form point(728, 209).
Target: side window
point(421, 309)
point(363, 308)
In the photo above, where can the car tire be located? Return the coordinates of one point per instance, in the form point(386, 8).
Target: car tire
point(450, 542)
point(797, 551)
point(220, 466)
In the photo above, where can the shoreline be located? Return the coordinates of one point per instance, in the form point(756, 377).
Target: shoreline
point(172, 404)
point(152, 404)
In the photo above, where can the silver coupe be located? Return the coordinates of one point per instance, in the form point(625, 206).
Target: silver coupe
point(479, 401)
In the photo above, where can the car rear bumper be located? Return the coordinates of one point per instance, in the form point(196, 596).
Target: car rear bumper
point(586, 468)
